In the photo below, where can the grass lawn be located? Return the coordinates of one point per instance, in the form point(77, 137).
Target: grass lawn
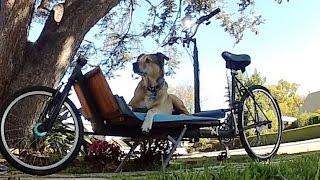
point(296, 167)
point(291, 167)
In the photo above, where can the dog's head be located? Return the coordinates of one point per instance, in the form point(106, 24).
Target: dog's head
point(151, 65)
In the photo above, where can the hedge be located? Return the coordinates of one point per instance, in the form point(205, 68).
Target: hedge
point(292, 135)
point(301, 134)
point(298, 134)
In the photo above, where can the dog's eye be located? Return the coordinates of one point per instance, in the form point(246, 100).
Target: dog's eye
point(147, 61)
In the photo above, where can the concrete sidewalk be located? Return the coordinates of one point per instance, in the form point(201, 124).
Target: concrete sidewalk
point(285, 148)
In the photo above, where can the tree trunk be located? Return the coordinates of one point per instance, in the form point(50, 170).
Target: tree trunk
point(15, 18)
point(44, 62)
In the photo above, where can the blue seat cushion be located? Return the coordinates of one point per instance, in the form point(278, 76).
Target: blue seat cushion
point(207, 118)
point(176, 118)
point(218, 113)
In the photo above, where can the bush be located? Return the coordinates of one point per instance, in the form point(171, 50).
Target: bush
point(305, 119)
point(302, 119)
point(104, 152)
point(299, 134)
point(314, 119)
point(152, 151)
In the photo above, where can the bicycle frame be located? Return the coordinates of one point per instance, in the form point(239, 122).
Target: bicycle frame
point(60, 97)
point(208, 125)
point(76, 75)
point(237, 87)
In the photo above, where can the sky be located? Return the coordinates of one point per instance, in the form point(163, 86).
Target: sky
point(285, 48)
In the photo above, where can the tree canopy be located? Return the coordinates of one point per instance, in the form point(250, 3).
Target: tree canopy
point(66, 22)
point(285, 92)
point(186, 94)
point(158, 20)
point(254, 79)
point(288, 99)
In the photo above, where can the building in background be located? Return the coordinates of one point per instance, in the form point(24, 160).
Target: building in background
point(287, 121)
point(312, 102)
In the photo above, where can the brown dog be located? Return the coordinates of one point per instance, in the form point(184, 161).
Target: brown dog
point(151, 92)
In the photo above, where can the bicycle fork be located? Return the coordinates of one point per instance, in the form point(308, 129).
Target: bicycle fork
point(59, 98)
point(52, 111)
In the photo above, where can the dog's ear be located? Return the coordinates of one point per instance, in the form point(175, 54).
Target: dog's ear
point(161, 57)
point(139, 57)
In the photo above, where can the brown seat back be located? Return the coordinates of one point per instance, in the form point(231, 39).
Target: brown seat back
point(101, 95)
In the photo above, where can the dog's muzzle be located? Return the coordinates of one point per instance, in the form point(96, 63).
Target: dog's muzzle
point(136, 68)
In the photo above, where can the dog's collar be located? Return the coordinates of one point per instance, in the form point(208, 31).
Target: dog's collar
point(154, 89)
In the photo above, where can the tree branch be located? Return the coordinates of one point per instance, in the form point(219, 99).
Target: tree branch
point(79, 16)
point(64, 38)
point(125, 35)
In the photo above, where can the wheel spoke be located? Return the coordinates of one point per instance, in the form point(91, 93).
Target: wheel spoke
point(260, 123)
point(33, 153)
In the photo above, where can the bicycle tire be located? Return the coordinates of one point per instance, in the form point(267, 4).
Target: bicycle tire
point(34, 169)
point(242, 120)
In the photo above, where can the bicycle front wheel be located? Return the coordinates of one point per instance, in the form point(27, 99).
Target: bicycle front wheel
point(260, 123)
point(31, 151)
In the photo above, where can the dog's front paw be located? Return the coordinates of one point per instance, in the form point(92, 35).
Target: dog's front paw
point(146, 127)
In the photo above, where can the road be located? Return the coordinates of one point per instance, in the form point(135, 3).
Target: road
point(285, 148)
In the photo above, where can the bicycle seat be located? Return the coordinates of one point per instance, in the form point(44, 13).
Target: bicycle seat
point(236, 62)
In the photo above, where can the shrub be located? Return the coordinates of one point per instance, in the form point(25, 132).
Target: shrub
point(152, 151)
point(104, 152)
point(305, 119)
point(302, 119)
point(314, 118)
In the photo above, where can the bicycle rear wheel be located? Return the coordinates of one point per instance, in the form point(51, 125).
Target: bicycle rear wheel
point(29, 150)
point(260, 123)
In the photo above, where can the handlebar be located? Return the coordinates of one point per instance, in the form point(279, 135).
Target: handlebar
point(207, 17)
point(188, 38)
point(171, 41)
point(81, 61)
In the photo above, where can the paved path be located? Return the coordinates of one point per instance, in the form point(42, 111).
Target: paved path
point(285, 148)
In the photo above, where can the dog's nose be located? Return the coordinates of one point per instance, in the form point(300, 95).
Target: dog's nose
point(135, 67)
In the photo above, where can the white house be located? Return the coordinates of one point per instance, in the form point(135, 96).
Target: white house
point(287, 120)
point(311, 103)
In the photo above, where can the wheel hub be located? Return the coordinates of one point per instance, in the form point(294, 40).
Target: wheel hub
point(36, 131)
point(261, 127)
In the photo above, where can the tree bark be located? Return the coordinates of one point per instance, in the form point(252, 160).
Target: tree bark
point(44, 62)
point(15, 19)
point(6, 7)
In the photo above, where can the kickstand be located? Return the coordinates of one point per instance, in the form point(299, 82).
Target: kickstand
point(224, 154)
point(175, 143)
point(133, 147)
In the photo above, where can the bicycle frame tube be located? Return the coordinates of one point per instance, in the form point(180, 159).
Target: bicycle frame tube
point(237, 86)
point(240, 90)
point(196, 70)
point(233, 88)
point(233, 102)
point(59, 98)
